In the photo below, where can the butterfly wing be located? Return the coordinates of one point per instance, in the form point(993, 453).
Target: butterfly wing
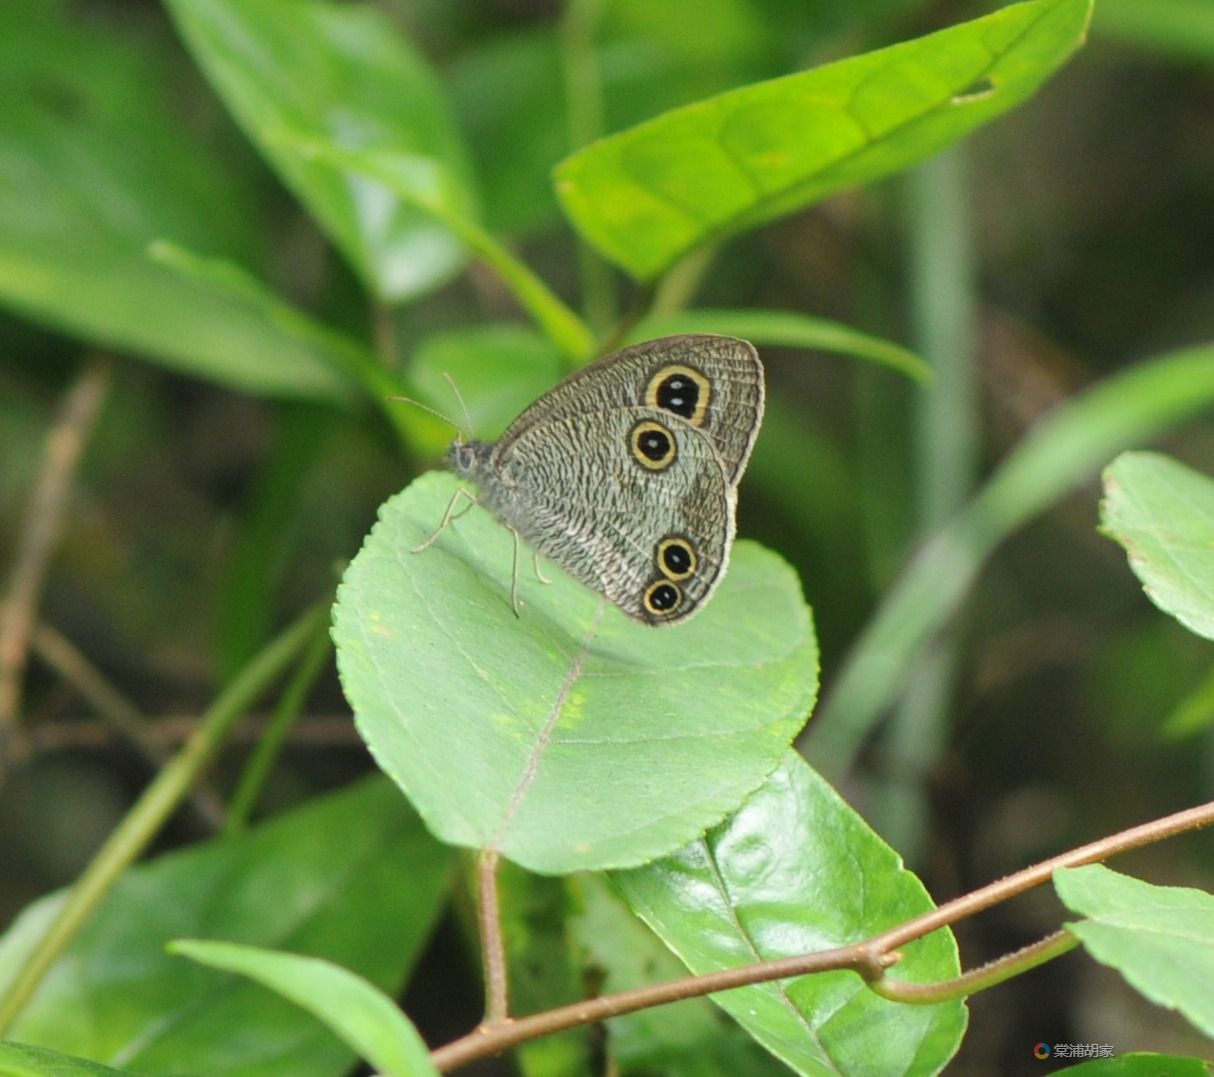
point(713, 383)
point(635, 502)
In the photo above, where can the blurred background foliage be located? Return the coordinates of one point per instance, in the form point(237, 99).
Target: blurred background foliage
point(217, 497)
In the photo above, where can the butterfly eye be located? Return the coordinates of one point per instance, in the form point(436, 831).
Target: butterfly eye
point(680, 390)
point(676, 558)
point(662, 598)
point(653, 446)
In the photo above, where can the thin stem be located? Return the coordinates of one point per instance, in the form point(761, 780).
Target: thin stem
point(286, 714)
point(562, 326)
point(584, 96)
point(943, 310)
point(979, 979)
point(870, 958)
point(383, 331)
point(153, 808)
point(493, 950)
point(64, 446)
point(1018, 882)
point(318, 731)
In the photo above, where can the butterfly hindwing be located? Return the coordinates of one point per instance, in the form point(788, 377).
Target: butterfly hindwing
point(655, 536)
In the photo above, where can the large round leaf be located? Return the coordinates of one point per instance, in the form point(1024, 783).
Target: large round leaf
point(568, 737)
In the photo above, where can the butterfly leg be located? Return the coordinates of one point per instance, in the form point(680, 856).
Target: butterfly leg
point(535, 563)
point(448, 516)
point(514, 577)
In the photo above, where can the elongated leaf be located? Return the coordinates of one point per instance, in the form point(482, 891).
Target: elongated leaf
point(788, 329)
point(569, 737)
point(22, 1060)
point(351, 877)
point(361, 1015)
point(1069, 444)
point(92, 171)
point(1163, 514)
point(795, 871)
point(649, 195)
point(1160, 938)
point(342, 74)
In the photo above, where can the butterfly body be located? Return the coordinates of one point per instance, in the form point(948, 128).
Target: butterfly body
point(625, 474)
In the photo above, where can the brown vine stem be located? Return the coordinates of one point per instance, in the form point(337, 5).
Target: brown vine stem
point(318, 731)
point(869, 958)
point(64, 446)
point(62, 655)
point(493, 950)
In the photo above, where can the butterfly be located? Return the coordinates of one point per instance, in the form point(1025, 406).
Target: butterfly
point(625, 474)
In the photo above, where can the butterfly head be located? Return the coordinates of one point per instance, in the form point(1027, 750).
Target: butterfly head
point(468, 458)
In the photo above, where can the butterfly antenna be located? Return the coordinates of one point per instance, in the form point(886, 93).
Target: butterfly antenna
point(433, 411)
point(462, 406)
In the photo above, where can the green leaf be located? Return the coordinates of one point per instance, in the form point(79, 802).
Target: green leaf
point(342, 75)
point(649, 195)
point(360, 1014)
point(1163, 514)
point(22, 1060)
point(569, 737)
point(1160, 938)
point(796, 871)
point(92, 170)
point(787, 329)
point(1078, 437)
point(351, 877)
point(1141, 1064)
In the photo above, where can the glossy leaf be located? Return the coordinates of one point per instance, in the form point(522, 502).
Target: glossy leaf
point(649, 195)
point(93, 169)
point(22, 1060)
point(1160, 938)
point(1163, 514)
point(351, 877)
point(795, 871)
point(568, 737)
point(361, 1015)
point(343, 75)
point(690, 1038)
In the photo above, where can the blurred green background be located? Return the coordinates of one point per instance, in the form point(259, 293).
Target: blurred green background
point(1064, 244)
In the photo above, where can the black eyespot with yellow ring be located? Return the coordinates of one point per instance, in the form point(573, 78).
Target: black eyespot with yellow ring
point(653, 446)
point(676, 558)
point(662, 598)
point(680, 390)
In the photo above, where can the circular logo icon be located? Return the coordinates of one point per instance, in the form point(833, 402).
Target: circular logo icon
point(1042, 1050)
